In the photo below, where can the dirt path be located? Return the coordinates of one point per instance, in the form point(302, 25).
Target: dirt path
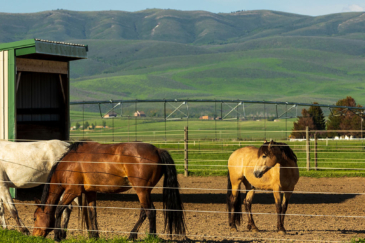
point(310, 217)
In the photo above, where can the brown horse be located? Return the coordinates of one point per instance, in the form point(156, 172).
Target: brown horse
point(92, 167)
point(271, 167)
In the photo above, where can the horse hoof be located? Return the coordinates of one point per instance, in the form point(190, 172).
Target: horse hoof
point(255, 230)
point(25, 231)
point(95, 236)
point(281, 232)
point(233, 229)
point(132, 237)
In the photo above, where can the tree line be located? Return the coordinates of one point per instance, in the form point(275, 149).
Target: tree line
point(341, 121)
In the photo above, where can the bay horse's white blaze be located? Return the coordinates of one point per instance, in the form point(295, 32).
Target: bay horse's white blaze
point(25, 165)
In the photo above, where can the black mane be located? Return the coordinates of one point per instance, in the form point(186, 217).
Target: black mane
point(72, 147)
point(284, 148)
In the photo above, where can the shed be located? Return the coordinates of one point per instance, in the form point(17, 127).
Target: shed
point(140, 113)
point(34, 89)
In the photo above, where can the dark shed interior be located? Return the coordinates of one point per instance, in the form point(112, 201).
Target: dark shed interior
point(42, 110)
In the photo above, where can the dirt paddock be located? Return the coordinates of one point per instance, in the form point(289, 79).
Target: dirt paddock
point(312, 215)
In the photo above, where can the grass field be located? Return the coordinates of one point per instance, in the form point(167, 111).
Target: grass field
point(212, 142)
point(255, 74)
point(156, 129)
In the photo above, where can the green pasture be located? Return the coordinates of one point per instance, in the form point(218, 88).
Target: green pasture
point(280, 73)
point(211, 142)
point(335, 159)
point(129, 129)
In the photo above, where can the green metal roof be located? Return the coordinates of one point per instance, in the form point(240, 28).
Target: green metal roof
point(45, 47)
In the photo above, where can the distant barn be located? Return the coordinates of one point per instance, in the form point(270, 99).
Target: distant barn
point(139, 113)
point(111, 114)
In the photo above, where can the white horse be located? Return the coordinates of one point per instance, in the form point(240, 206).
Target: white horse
point(26, 165)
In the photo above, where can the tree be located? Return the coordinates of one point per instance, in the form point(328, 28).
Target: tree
point(302, 123)
point(86, 125)
point(104, 123)
point(318, 118)
point(345, 119)
point(313, 118)
point(77, 125)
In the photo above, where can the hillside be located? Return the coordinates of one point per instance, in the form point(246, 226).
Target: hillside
point(195, 54)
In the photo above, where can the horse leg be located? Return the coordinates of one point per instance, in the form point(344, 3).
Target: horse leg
point(277, 197)
point(234, 203)
point(8, 201)
point(66, 215)
point(142, 216)
point(151, 215)
point(248, 202)
point(59, 233)
point(286, 199)
point(147, 210)
point(2, 215)
point(92, 218)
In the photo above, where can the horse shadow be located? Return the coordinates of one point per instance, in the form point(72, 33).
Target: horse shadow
point(204, 198)
point(263, 198)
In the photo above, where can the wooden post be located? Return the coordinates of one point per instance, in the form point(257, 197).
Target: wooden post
point(315, 151)
point(307, 147)
point(186, 151)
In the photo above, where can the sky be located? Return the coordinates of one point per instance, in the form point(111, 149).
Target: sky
point(307, 7)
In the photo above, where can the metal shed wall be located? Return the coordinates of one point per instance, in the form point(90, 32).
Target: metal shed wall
point(4, 79)
point(34, 88)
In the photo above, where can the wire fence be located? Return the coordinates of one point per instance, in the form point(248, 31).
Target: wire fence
point(342, 157)
point(163, 120)
point(214, 134)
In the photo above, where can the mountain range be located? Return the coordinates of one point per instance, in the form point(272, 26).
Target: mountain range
point(163, 53)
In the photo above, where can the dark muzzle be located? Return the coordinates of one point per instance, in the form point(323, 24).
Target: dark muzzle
point(258, 174)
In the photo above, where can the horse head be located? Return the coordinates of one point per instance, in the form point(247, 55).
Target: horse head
point(44, 221)
point(269, 155)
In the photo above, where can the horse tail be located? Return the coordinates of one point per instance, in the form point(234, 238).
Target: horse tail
point(172, 204)
point(234, 204)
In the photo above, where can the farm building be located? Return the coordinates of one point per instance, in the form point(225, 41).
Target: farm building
point(110, 114)
point(205, 118)
point(140, 114)
point(35, 85)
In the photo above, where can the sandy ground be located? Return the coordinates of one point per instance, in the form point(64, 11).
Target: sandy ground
point(313, 215)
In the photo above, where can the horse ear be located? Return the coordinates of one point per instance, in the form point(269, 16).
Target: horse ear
point(265, 141)
point(36, 200)
point(271, 143)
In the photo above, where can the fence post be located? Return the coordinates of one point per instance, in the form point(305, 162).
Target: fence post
point(307, 147)
point(315, 151)
point(186, 151)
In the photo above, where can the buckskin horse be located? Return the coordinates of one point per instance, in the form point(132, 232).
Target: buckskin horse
point(274, 167)
point(27, 165)
point(110, 168)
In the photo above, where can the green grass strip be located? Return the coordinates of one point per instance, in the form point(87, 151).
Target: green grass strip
point(14, 236)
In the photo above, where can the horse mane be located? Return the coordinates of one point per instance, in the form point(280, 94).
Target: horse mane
point(71, 147)
point(286, 151)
